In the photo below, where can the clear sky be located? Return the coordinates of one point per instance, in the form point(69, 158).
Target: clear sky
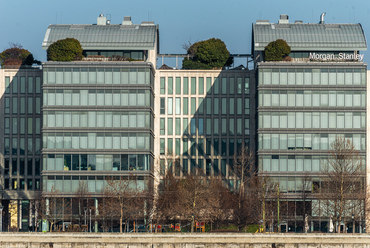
point(25, 22)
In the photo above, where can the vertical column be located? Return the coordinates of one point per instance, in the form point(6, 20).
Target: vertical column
point(96, 215)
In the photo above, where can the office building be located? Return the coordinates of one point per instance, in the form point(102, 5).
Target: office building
point(98, 113)
point(204, 118)
point(305, 104)
point(20, 147)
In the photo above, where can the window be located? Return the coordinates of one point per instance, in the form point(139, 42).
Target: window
point(216, 86)
point(7, 125)
point(15, 85)
point(170, 146)
point(15, 105)
point(246, 86)
point(185, 146)
point(201, 85)
point(170, 126)
point(7, 105)
point(38, 85)
point(201, 106)
point(178, 85)
point(216, 106)
point(23, 85)
point(193, 105)
point(178, 126)
point(201, 127)
point(7, 85)
point(170, 106)
point(163, 106)
point(224, 86)
point(30, 85)
point(185, 125)
point(186, 85)
point(209, 85)
point(232, 86)
point(14, 125)
point(192, 126)
point(193, 86)
point(170, 85)
point(163, 85)
point(223, 106)
point(186, 105)
point(177, 146)
point(162, 146)
point(178, 106)
point(162, 126)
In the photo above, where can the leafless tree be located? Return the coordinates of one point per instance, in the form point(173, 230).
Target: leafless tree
point(55, 208)
point(81, 200)
point(168, 201)
point(248, 196)
point(125, 197)
point(342, 190)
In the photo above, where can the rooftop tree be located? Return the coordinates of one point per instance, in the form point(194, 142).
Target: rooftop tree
point(277, 50)
point(65, 50)
point(207, 54)
point(16, 55)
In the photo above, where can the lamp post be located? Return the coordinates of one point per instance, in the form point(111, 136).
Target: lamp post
point(90, 218)
point(353, 223)
point(85, 210)
point(1, 218)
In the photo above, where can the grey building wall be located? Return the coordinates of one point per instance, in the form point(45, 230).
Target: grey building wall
point(20, 145)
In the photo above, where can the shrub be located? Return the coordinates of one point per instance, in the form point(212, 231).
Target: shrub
point(16, 55)
point(65, 50)
point(277, 50)
point(207, 54)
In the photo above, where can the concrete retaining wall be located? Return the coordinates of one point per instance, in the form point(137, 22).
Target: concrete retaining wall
point(78, 240)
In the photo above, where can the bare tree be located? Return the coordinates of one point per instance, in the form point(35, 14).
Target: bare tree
point(81, 201)
point(55, 208)
point(342, 188)
point(168, 199)
point(125, 197)
point(248, 189)
point(193, 194)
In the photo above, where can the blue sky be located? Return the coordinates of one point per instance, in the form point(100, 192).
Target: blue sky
point(25, 22)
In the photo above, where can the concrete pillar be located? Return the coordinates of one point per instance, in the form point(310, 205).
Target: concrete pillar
point(367, 193)
point(96, 215)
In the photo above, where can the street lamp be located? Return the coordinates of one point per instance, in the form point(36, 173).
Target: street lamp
point(90, 218)
point(85, 210)
point(353, 223)
point(1, 218)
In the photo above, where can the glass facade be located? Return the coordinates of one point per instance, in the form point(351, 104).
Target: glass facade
point(97, 120)
point(301, 111)
point(22, 120)
point(206, 120)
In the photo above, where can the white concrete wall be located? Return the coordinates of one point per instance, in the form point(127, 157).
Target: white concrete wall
point(184, 240)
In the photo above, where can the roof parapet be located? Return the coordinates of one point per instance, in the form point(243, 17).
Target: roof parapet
point(262, 22)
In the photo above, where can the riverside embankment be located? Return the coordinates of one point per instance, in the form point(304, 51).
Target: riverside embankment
point(183, 240)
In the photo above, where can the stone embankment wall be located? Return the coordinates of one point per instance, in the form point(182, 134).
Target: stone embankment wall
point(214, 240)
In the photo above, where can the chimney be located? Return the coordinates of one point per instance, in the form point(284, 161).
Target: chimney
point(284, 19)
point(127, 20)
point(322, 18)
point(102, 20)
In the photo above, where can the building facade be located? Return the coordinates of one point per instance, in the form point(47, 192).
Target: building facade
point(204, 119)
point(20, 147)
point(303, 106)
point(114, 115)
point(99, 114)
